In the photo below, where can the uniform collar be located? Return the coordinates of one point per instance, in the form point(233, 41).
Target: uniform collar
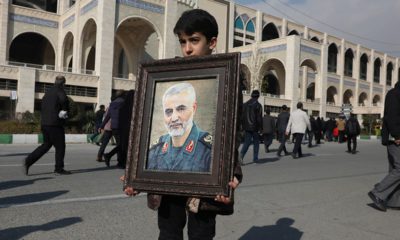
point(188, 147)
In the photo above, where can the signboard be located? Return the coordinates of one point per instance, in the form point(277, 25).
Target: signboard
point(13, 95)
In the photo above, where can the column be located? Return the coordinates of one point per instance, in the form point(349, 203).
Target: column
point(231, 24)
point(292, 70)
point(4, 6)
point(323, 78)
point(259, 26)
point(356, 74)
point(284, 27)
point(370, 76)
point(170, 18)
point(105, 50)
point(340, 72)
point(26, 90)
point(304, 83)
point(306, 34)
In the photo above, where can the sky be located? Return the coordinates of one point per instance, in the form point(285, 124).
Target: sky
point(371, 23)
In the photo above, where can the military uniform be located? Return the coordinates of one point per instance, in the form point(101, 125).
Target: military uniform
point(193, 156)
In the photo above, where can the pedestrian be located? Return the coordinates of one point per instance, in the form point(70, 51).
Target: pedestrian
point(311, 132)
point(386, 192)
point(97, 123)
point(318, 130)
point(125, 124)
point(281, 124)
point(323, 129)
point(54, 112)
point(352, 130)
point(252, 124)
point(330, 126)
point(268, 129)
point(197, 31)
point(113, 113)
point(107, 135)
point(297, 125)
point(341, 124)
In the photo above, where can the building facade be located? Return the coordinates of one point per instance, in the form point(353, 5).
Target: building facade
point(98, 44)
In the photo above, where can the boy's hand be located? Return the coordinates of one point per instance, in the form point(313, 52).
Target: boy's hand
point(129, 190)
point(226, 200)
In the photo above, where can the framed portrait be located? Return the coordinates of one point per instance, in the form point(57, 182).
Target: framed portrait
point(183, 128)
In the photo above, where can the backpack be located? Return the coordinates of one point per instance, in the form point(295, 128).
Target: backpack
point(352, 128)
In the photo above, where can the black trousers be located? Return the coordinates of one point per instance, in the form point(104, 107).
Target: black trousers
point(117, 148)
point(104, 141)
point(298, 137)
point(52, 136)
point(282, 140)
point(351, 139)
point(172, 217)
point(341, 136)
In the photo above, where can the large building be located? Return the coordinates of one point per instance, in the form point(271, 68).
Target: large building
point(98, 44)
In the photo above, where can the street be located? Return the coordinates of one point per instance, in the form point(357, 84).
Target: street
point(322, 196)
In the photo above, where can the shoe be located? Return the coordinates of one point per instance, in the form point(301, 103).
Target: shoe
point(348, 151)
point(25, 167)
point(99, 159)
point(379, 203)
point(353, 152)
point(287, 153)
point(107, 159)
point(294, 156)
point(62, 172)
point(121, 166)
point(278, 154)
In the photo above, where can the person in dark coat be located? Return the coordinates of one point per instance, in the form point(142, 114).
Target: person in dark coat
point(113, 113)
point(124, 124)
point(97, 123)
point(281, 124)
point(352, 130)
point(311, 132)
point(318, 130)
point(268, 129)
point(252, 124)
point(55, 106)
point(384, 191)
point(330, 126)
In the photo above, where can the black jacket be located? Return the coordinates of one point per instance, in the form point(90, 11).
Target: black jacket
point(352, 123)
point(252, 115)
point(268, 126)
point(281, 123)
point(391, 119)
point(53, 101)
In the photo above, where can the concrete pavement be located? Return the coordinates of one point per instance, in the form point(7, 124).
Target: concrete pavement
point(322, 196)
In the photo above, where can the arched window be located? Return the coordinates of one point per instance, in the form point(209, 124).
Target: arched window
point(348, 63)
point(239, 23)
point(332, 58)
point(315, 39)
point(250, 36)
point(389, 71)
point(250, 26)
point(363, 66)
point(270, 32)
point(377, 70)
point(238, 33)
point(293, 32)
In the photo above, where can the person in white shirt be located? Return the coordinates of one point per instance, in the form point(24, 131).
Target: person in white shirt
point(297, 125)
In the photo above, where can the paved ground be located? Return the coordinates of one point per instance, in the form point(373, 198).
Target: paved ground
point(319, 197)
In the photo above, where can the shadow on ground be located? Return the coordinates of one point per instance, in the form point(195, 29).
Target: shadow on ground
point(20, 232)
point(20, 183)
point(29, 198)
point(282, 230)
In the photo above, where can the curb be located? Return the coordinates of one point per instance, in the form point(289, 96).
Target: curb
point(38, 138)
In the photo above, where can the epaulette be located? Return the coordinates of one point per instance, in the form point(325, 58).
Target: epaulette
point(206, 139)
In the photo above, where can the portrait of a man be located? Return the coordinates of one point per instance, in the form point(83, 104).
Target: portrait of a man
point(185, 147)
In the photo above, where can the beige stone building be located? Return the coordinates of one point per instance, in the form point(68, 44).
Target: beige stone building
point(98, 44)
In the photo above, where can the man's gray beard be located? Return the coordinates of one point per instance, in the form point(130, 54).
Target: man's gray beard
point(179, 132)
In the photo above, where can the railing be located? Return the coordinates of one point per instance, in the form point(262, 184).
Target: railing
point(330, 103)
point(88, 71)
point(67, 69)
point(32, 65)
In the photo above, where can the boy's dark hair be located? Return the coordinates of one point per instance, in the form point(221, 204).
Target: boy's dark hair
point(60, 80)
point(197, 20)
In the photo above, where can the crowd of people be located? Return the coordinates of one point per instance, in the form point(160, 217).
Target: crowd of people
point(258, 128)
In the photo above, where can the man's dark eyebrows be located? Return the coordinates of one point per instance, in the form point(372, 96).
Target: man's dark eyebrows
point(181, 106)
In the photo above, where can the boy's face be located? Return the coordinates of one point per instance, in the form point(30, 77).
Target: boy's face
point(196, 44)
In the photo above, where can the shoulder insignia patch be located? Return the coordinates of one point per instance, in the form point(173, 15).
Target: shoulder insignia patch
point(206, 139)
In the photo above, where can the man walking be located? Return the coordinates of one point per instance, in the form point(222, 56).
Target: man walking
point(382, 191)
point(97, 123)
point(252, 124)
point(297, 125)
point(54, 112)
point(268, 129)
point(281, 124)
point(352, 130)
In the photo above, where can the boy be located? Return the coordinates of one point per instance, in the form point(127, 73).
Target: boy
point(197, 32)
